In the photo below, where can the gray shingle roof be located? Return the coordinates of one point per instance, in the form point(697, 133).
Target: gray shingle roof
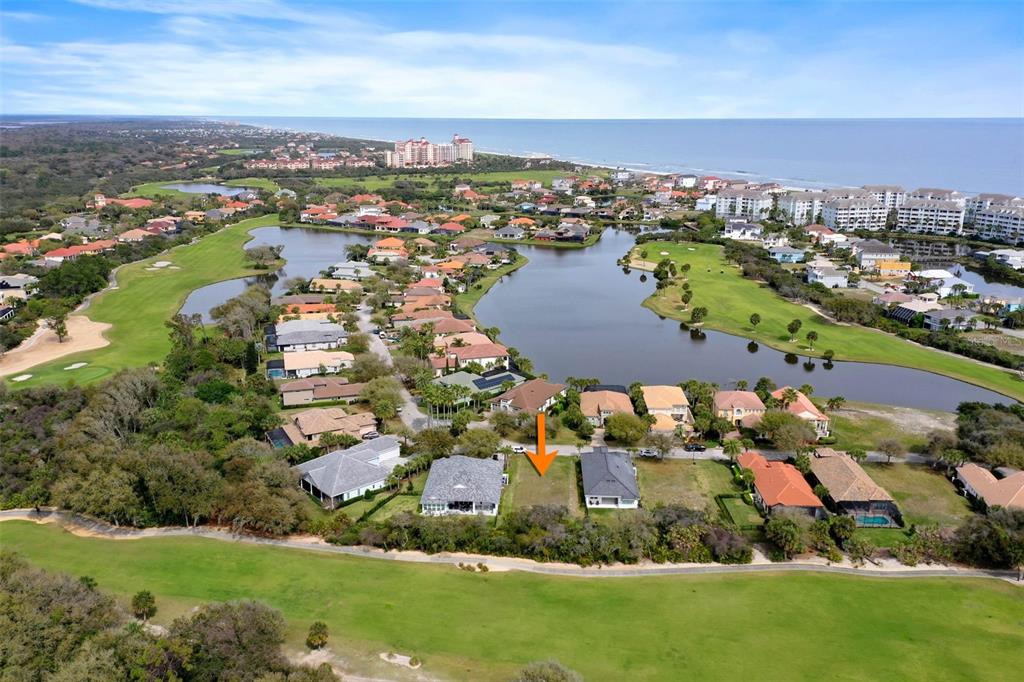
point(360, 465)
point(463, 479)
point(609, 473)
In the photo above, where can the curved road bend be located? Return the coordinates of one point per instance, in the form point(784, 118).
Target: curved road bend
point(84, 526)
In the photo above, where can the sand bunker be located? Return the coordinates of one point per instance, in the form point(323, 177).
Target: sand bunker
point(83, 334)
point(22, 377)
point(76, 365)
point(161, 264)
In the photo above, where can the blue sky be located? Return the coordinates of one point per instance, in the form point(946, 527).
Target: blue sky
point(512, 60)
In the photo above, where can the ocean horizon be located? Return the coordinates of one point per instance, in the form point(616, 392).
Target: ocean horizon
point(972, 155)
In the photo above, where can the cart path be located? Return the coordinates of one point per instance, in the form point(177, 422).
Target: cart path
point(86, 527)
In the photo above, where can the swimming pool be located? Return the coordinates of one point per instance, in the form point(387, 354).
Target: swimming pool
point(874, 521)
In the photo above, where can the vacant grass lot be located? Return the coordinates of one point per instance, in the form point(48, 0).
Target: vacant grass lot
point(527, 488)
point(145, 299)
point(731, 299)
point(924, 495)
point(863, 425)
point(757, 627)
point(692, 484)
point(255, 183)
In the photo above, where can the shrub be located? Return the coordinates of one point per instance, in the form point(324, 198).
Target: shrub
point(317, 637)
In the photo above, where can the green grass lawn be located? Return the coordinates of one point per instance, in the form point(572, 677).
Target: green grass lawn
point(144, 300)
point(741, 513)
point(527, 488)
point(373, 183)
point(786, 626)
point(254, 183)
point(467, 300)
point(924, 495)
point(236, 152)
point(156, 190)
point(692, 484)
point(731, 299)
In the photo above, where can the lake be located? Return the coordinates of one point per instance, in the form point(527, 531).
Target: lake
point(575, 313)
point(205, 188)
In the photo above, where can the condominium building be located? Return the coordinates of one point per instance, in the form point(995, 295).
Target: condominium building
point(1001, 223)
point(931, 216)
point(855, 213)
point(743, 203)
point(422, 152)
point(933, 194)
point(985, 201)
point(801, 208)
point(890, 196)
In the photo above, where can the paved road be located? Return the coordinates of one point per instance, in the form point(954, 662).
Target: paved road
point(412, 416)
point(886, 569)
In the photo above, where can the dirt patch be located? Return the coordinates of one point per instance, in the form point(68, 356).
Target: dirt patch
point(43, 346)
point(914, 421)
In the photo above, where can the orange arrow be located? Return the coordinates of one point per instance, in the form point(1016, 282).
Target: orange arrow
point(541, 459)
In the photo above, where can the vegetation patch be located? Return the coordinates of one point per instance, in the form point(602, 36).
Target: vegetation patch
point(527, 488)
point(924, 495)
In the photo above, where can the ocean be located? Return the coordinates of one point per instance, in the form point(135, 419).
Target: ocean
point(970, 155)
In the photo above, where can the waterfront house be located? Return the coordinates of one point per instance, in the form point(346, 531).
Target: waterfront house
point(308, 426)
point(351, 269)
point(609, 480)
point(669, 407)
point(892, 269)
point(803, 408)
point(871, 251)
point(741, 408)
point(484, 384)
point(510, 232)
point(830, 278)
point(906, 312)
point(317, 388)
point(335, 285)
point(306, 363)
point(536, 395)
point(344, 475)
point(487, 355)
point(944, 282)
point(786, 254)
point(296, 335)
point(852, 491)
point(462, 485)
point(742, 231)
point(780, 487)
point(597, 406)
point(982, 485)
point(465, 244)
point(950, 318)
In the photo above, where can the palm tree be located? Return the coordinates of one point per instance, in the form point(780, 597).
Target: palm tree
point(835, 403)
point(788, 396)
point(812, 336)
point(755, 320)
point(793, 327)
point(732, 448)
point(858, 455)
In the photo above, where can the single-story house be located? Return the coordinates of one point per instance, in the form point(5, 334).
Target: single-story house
point(852, 491)
point(950, 318)
point(831, 278)
point(981, 484)
point(306, 363)
point(597, 406)
point(669, 406)
point(779, 486)
point(16, 286)
point(296, 335)
point(741, 408)
point(351, 269)
point(309, 425)
point(487, 355)
point(335, 285)
point(347, 474)
point(609, 480)
point(316, 388)
point(463, 485)
point(486, 383)
point(510, 232)
point(786, 254)
point(532, 396)
point(805, 409)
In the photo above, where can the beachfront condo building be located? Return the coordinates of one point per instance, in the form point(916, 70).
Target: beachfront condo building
point(753, 204)
point(931, 216)
point(985, 201)
point(1001, 223)
point(890, 196)
point(801, 208)
point(424, 153)
point(933, 194)
point(858, 212)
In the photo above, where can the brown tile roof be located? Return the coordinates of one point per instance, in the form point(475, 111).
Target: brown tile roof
point(727, 400)
point(845, 479)
point(663, 397)
point(531, 395)
point(802, 406)
point(593, 403)
point(1006, 492)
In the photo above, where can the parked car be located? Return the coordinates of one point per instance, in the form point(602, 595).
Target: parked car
point(370, 435)
point(518, 449)
point(647, 452)
point(694, 447)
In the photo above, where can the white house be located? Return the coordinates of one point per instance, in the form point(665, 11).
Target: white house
point(609, 480)
point(345, 475)
point(462, 485)
point(829, 277)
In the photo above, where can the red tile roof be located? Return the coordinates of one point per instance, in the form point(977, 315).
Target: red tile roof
point(778, 483)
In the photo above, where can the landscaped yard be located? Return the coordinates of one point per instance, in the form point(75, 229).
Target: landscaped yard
point(786, 626)
point(924, 495)
point(731, 299)
point(741, 513)
point(692, 484)
point(145, 298)
point(527, 488)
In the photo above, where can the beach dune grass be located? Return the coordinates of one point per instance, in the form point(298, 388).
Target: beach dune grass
point(773, 626)
point(146, 298)
point(731, 299)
